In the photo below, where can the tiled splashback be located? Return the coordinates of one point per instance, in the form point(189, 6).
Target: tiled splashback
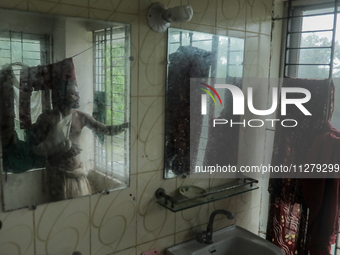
point(128, 222)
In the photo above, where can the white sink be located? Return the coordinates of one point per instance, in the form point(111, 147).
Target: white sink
point(232, 240)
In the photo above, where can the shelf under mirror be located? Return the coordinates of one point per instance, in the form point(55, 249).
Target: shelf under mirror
point(180, 202)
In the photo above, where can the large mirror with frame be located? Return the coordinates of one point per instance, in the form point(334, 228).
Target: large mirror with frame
point(193, 54)
point(64, 107)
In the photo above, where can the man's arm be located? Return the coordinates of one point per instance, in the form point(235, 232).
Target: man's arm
point(101, 128)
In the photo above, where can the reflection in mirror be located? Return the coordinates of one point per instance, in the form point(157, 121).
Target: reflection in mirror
point(64, 107)
point(194, 54)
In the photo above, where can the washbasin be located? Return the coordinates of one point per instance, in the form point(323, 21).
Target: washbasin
point(232, 240)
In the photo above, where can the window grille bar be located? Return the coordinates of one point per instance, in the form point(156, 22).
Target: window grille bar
point(312, 15)
point(10, 45)
point(105, 158)
point(228, 56)
point(333, 39)
point(287, 29)
point(127, 93)
point(289, 64)
point(203, 40)
point(308, 48)
point(22, 48)
point(235, 50)
point(111, 98)
point(310, 31)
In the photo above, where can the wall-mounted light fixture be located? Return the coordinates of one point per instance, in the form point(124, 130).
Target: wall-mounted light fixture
point(160, 17)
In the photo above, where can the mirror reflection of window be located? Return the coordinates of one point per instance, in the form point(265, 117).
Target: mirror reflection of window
point(111, 100)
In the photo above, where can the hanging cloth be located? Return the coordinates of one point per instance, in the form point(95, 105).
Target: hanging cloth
point(17, 151)
point(323, 202)
point(287, 219)
point(49, 77)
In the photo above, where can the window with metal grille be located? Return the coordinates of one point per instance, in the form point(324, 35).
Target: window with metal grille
point(111, 99)
point(20, 49)
point(312, 44)
point(27, 48)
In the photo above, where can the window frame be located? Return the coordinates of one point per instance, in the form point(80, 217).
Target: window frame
point(293, 18)
point(102, 162)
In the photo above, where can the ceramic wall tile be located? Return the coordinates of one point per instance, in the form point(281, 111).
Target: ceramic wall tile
point(231, 14)
point(17, 232)
point(101, 14)
point(103, 4)
point(153, 220)
point(260, 87)
point(230, 32)
point(58, 8)
point(75, 2)
point(198, 27)
point(192, 217)
point(113, 220)
point(65, 222)
point(249, 200)
point(189, 234)
point(150, 133)
point(41, 6)
point(204, 11)
point(159, 244)
point(131, 251)
point(15, 4)
point(126, 6)
point(258, 18)
point(249, 219)
point(133, 137)
point(152, 60)
point(256, 59)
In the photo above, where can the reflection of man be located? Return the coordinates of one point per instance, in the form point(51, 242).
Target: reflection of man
point(57, 134)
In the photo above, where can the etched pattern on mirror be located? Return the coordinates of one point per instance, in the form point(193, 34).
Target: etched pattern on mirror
point(65, 107)
point(193, 54)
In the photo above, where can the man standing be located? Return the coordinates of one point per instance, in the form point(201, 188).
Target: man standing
point(56, 135)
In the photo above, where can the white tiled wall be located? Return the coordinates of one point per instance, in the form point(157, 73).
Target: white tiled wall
point(129, 221)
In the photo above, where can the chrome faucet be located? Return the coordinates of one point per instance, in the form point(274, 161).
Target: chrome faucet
point(206, 236)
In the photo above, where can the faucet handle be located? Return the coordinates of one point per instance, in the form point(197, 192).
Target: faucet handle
point(201, 237)
point(204, 237)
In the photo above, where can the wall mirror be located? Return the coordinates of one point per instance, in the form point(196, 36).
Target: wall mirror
point(194, 54)
point(65, 109)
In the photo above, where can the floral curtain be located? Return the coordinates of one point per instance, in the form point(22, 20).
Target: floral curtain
point(287, 219)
